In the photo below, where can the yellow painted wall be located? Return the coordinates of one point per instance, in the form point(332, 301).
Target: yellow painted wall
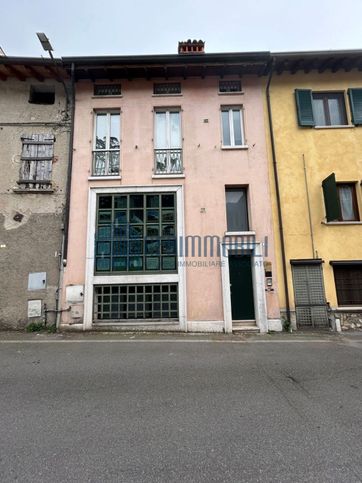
point(328, 150)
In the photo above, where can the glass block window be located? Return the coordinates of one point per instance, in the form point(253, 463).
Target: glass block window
point(107, 89)
point(229, 86)
point(136, 233)
point(167, 88)
point(125, 302)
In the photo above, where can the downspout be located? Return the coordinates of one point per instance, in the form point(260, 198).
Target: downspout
point(70, 166)
point(277, 191)
point(64, 249)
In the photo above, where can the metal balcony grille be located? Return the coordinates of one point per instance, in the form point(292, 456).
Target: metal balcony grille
point(230, 86)
point(107, 90)
point(167, 88)
point(117, 303)
point(105, 163)
point(168, 161)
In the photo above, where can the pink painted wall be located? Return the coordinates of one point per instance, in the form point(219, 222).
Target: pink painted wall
point(208, 169)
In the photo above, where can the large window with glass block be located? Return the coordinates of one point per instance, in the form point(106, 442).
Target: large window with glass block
point(136, 233)
point(136, 301)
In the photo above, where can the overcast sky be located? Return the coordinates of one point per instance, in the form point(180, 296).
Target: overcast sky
point(100, 27)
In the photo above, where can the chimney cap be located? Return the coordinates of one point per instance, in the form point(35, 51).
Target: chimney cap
point(191, 47)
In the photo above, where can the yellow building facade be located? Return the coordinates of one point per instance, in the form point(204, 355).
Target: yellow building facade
point(313, 112)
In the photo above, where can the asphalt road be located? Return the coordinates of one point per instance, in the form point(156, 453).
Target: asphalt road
point(183, 410)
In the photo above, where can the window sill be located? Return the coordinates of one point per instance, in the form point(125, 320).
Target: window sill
point(240, 93)
point(239, 233)
point(159, 176)
point(337, 223)
point(167, 95)
point(100, 178)
point(107, 97)
point(348, 308)
point(234, 148)
point(33, 190)
point(347, 126)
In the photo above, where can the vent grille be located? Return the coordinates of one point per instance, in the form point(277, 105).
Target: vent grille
point(230, 86)
point(167, 88)
point(107, 90)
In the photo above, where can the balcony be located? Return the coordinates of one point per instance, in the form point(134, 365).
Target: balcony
point(168, 161)
point(105, 163)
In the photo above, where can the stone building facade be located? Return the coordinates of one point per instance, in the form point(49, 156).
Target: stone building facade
point(34, 138)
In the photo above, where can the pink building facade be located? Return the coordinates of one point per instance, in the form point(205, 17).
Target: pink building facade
point(170, 224)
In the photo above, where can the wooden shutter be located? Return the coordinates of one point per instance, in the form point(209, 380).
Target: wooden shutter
point(303, 98)
point(331, 201)
point(355, 101)
point(37, 158)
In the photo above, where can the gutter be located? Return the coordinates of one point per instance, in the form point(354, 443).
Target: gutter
point(277, 191)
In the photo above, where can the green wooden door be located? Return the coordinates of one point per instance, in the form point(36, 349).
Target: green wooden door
point(241, 287)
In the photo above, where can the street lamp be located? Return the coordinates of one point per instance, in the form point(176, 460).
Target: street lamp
point(47, 46)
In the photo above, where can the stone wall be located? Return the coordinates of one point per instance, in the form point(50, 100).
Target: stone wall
point(31, 223)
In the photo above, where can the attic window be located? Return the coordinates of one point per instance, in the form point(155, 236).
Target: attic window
point(167, 88)
point(107, 89)
point(229, 86)
point(42, 95)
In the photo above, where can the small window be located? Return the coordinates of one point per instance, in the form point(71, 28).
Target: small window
point(237, 209)
point(329, 109)
point(348, 201)
point(106, 148)
point(229, 86)
point(107, 89)
point(232, 127)
point(42, 95)
point(348, 279)
point(36, 161)
point(167, 88)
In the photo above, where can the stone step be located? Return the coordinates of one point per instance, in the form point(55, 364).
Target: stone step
point(247, 329)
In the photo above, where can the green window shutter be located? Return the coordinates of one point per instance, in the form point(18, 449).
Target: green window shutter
point(331, 200)
point(355, 101)
point(303, 98)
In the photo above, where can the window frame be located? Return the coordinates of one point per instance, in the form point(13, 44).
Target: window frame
point(325, 95)
point(229, 82)
point(245, 189)
point(163, 94)
point(127, 239)
point(167, 111)
point(230, 109)
point(342, 301)
point(39, 162)
point(118, 85)
point(108, 113)
point(354, 200)
point(135, 301)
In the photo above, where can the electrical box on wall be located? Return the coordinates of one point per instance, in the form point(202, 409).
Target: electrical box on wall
point(37, 281)
point(34, 308)
point(74, 294)
point(76, 311)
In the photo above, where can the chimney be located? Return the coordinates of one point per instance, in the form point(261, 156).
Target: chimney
point(191, 47)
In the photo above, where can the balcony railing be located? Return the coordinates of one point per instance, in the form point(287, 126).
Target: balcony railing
point(168, 161)
point(105, 163)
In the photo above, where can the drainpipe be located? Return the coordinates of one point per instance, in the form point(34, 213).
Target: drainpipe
point(277, 191)
point(70, 165)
